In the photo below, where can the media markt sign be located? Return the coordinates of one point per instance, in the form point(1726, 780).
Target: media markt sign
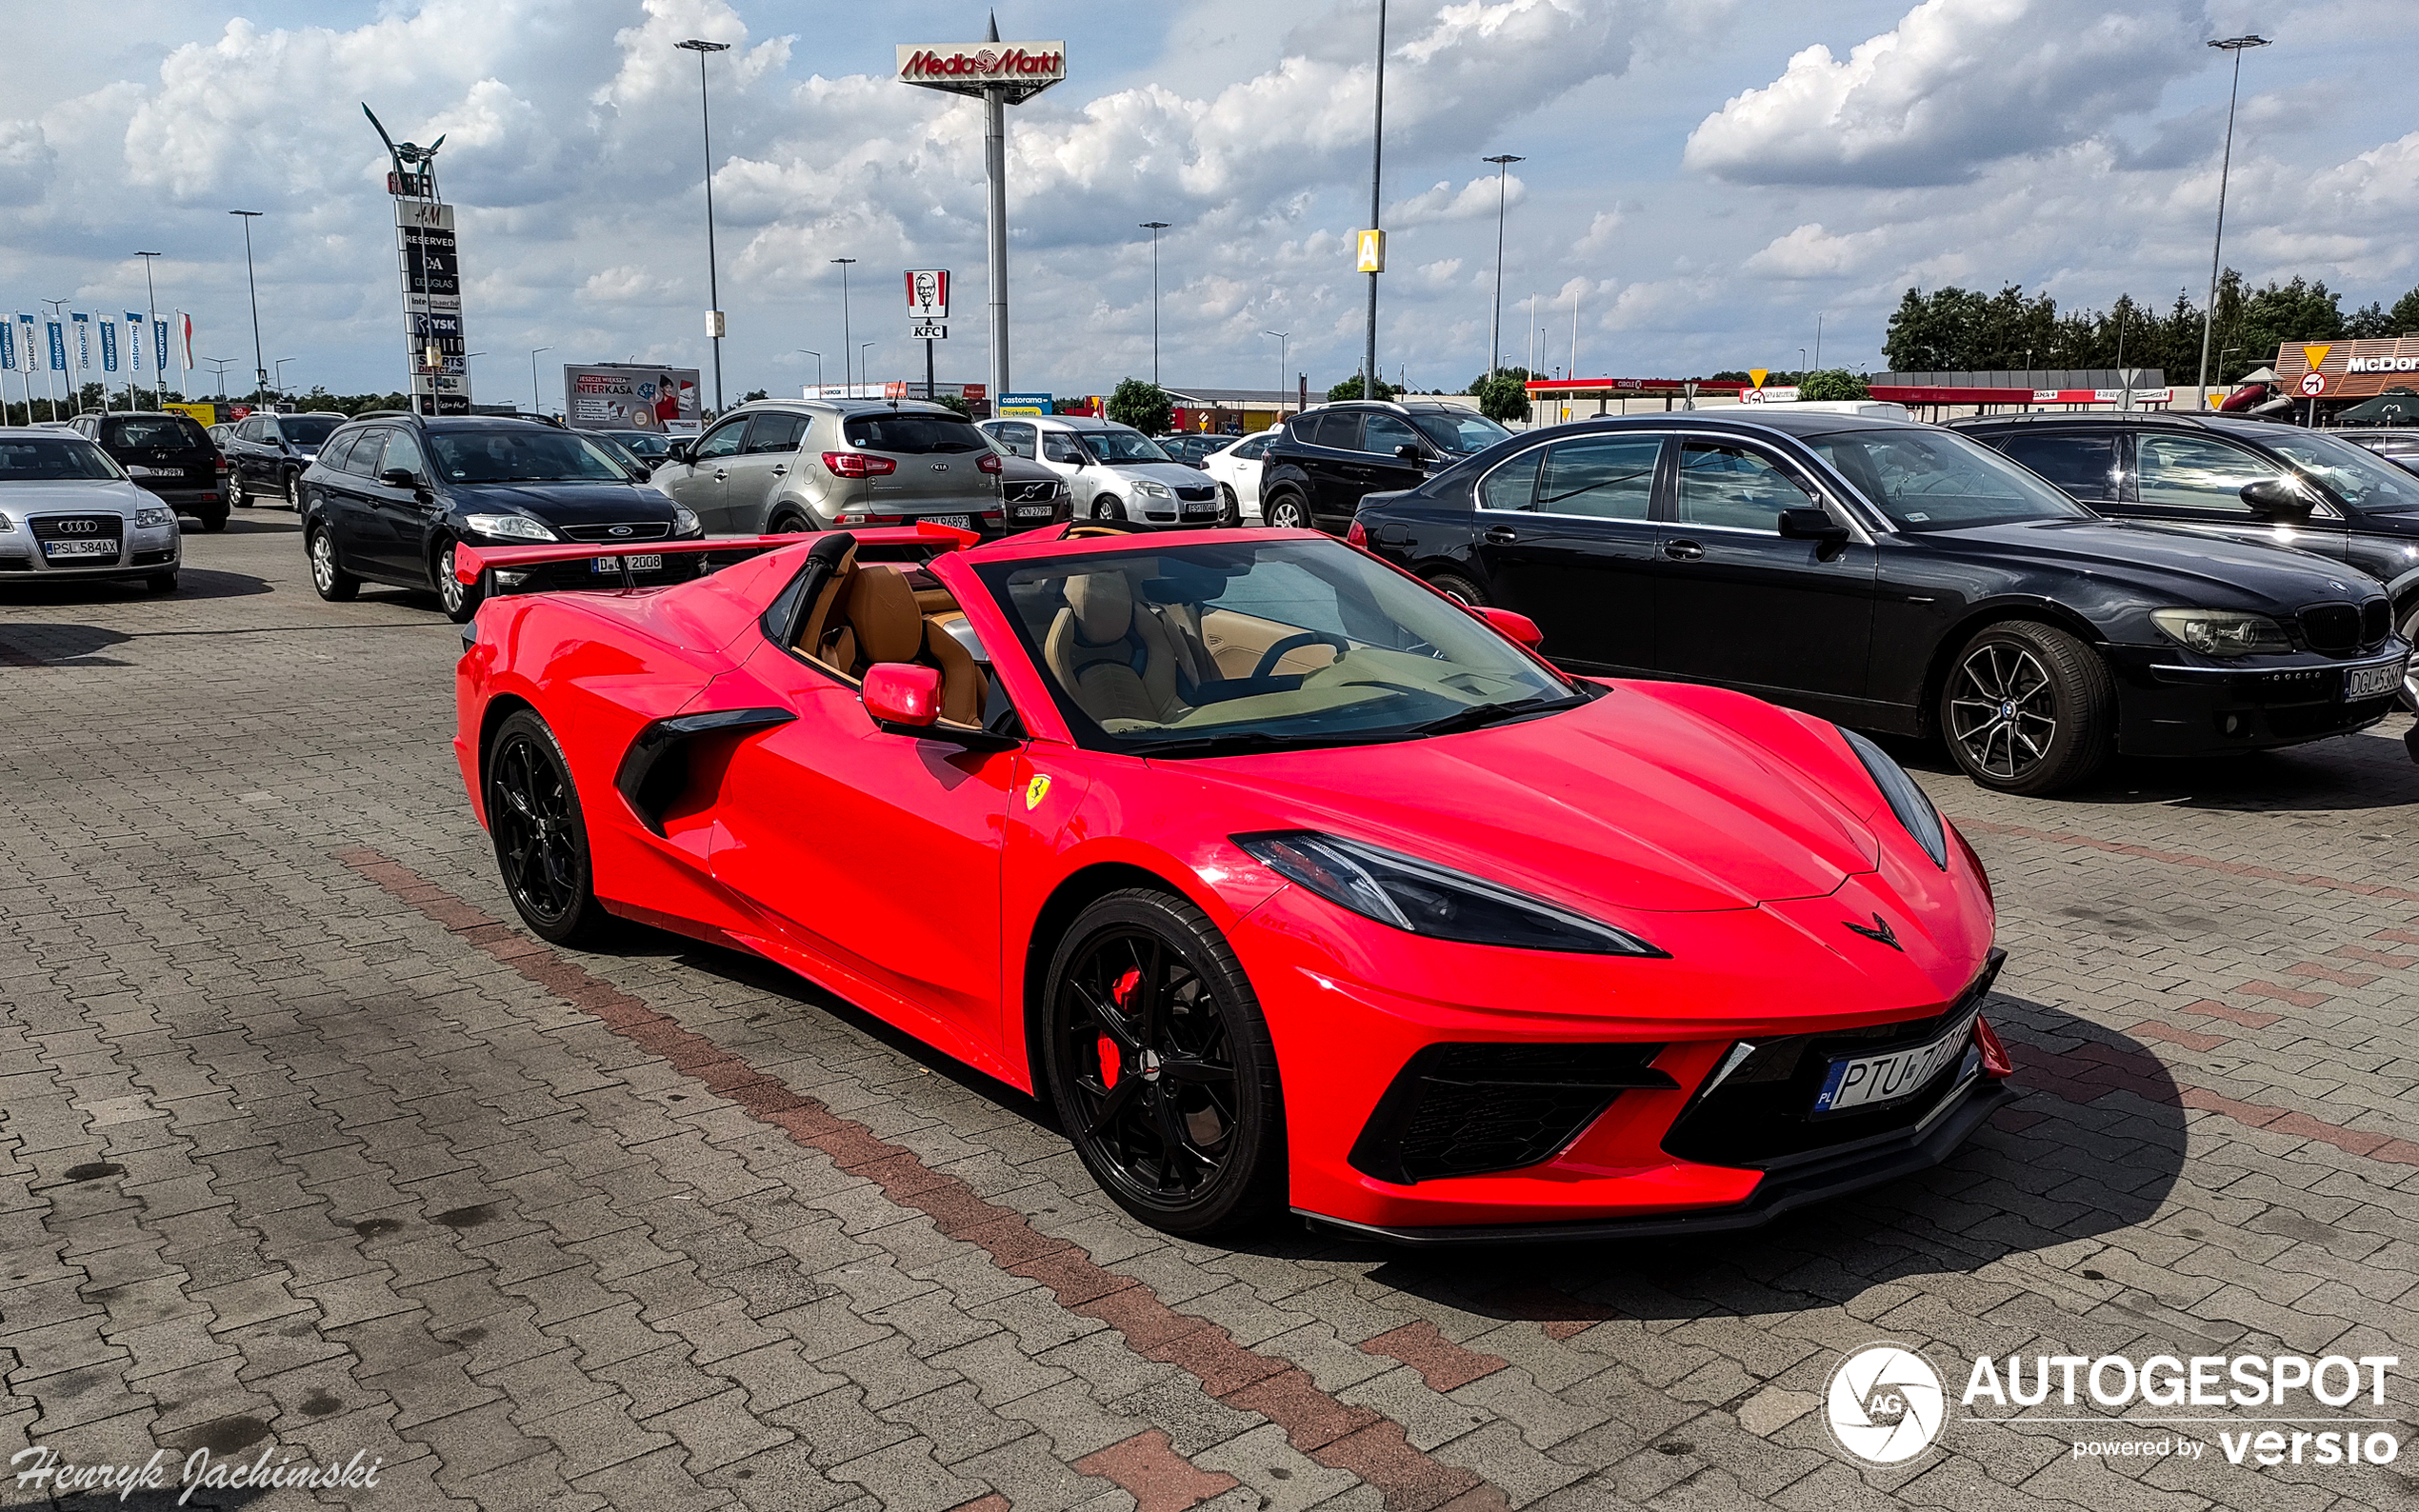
point(1020, 67)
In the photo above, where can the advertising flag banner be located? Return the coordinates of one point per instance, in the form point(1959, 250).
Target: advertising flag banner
point(109, 344)
point(58, 345)
point(82, 323)
point(29, 343)
point(8, 346)
point(184, 341)
point(133, 341)
point(159, 346)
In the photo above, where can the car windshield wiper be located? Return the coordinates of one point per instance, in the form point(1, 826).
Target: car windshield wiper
point(1478, 716)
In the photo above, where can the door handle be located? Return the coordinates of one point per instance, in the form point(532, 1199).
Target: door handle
point(720, 474)
point(1502, 535)
point(781, 472)
point(1683, 550)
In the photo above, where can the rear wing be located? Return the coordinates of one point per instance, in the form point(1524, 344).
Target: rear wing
point(676, 561)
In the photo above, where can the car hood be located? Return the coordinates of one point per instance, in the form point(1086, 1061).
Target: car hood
point(564, 503)
point(75, 493)
point(2183, 566)
point(1630, 803)
point(1174, 475)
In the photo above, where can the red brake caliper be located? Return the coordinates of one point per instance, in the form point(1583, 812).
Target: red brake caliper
point(1122, 994)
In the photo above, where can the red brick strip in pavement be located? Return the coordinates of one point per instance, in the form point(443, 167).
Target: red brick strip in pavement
point(2375, 958)
point(2211, 1009)
point(1336, 1435)
point(1441, 1363)
point(2182, 858)
point(1158, 1478)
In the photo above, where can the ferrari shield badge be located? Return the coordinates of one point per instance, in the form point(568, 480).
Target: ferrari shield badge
point(1035, 791)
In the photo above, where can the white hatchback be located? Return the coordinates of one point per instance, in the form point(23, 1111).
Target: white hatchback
point(1237, 470)
point(67, 509)
point(1115, 472)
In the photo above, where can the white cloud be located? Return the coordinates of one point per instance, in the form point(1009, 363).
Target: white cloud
point(1811, 251)
point(1442, 202)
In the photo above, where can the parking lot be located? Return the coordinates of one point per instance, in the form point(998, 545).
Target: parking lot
point(307, 1147)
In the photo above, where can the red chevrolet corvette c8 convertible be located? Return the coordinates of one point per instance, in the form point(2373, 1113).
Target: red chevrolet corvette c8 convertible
point(1286, 880)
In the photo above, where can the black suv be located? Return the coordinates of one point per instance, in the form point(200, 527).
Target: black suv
point(1898, 577)
point(2252, 480)
point(1322, 463)
point(169, 453)
point(266, 454)
point(392, 493)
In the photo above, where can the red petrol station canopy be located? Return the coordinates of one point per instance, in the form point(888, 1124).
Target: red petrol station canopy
point(1892, 393)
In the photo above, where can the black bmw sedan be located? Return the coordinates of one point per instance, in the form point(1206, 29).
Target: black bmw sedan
point(1902, 578)
point(391, 494)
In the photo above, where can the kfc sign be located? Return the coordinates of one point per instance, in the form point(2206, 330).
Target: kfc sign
point(1020, 68)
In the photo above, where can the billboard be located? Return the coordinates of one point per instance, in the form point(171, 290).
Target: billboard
point(1025, 404)
point(630, 396)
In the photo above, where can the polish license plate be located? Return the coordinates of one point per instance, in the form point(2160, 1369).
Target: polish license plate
point(136, 470)
point(1034, 512)
point(962, 522)
point(60, 549)
point(1868, 1081)
point(650, 562)
point(2373, 681)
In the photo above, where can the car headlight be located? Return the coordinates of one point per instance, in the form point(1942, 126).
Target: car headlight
point(1155, 490)
point(154, 519)
point(510, 526)
point(1913, 805)
point(2222, 632)
point(685, 522)
point(7, 524)
point(1422, 898)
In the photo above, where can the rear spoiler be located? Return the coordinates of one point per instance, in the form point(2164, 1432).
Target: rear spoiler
point(472, 562)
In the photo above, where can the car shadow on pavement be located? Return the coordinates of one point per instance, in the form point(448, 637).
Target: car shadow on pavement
point(2341, 773)
point(192, 582)
point(37, 642)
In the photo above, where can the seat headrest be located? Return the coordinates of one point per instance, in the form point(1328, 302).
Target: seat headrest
point(882, 609)
point(1104, 606)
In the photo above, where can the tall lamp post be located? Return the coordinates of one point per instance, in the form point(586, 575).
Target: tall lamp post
point(260, 359)
point(537, 404)
point(2237, 46)
point(1154, 228)
point(713, 287)
point(845, 336)
point(818, 367)
point(1495, 322)
point(1377, 164)
point(1280, 335)
point(151, 314)
point(278, 384)
point(863, 348)
point(218, 366)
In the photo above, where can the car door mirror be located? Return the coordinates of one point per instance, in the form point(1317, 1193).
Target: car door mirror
point(399, 478)
point(903, 698)
point(2277, 502)
point(1811, 524)
point(1410, 453)
point(1513, 626)
point(678, 452)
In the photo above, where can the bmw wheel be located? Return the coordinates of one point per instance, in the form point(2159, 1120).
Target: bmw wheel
point(1161, 1068)
point(541, 838)
point(2027, 709)
point(458, 599)
point(1286, 511)
point(334, 584)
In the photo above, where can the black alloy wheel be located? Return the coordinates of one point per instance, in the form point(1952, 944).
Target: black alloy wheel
point(1161, 1068)
point(1287, 512)
point(2027, 709)
point(1459, 588)
point(459, 600)
point(331, 582)
point(541, 837)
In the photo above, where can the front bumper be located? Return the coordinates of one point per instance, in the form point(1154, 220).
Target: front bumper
point(141, 552)
point(186, 496)
point(2172, 703)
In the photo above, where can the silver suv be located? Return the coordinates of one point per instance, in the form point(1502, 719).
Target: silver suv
point(1115, 472)
point(787, 465)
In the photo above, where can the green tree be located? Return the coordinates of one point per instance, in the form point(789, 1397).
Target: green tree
point(1350, 388)
point(2366, 323)
point(2403, 320)
point(1832, 383)
point(1502, 397)
point(1143, 406)
point(953, 402)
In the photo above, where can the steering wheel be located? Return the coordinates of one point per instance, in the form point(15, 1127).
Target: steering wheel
point(1270, 658)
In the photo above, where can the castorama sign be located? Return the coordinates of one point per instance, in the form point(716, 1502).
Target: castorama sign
point(1027, 63)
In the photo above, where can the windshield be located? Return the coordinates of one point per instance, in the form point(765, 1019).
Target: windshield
point(1460, 433)
point(908, 434)
point(537, 454)
point(1936, 480)
point(309, 431)
point(48, 460)
point(171, 431)
point(1122, 445)
point(2357, 475)
point(1214, 649)
point(641, 443)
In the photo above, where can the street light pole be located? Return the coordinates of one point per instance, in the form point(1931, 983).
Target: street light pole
point(537, 404)
point(218, 367)
point(260, 359)
point(151, 314)
point(1377, 164)
point(846, 336)
point(2237, 46)
point(1280, 335)
point(818, 367)
point(279, 366)
point(713, 287)
point(1154, 228)
point(1495, 322)
point(863, 348)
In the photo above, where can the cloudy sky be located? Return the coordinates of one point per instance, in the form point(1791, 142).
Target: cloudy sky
point(1702, 181)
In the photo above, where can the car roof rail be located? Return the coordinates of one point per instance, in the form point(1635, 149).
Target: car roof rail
point(2067, 417)
point(384, 415)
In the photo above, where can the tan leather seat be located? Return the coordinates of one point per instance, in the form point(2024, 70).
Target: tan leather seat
point(883, 620)
point(1116, 661)
point(964, 688)
point(829, 612)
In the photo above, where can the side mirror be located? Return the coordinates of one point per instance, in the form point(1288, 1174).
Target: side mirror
point(1410, 453)
point(1812, 524)
point(399, 478)
point(903, 698)
point(678, 452)
point(1517, 627)
point(2277, 502)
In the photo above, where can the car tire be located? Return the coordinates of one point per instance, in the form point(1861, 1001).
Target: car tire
point(789, 523)
point(1454, 586)
point(541, 836)
point(161, 582)
point(2027, 709)
point(458, 599)
point(293, 491)
point(1107, 507)
point(237, 497)
point(331, 582)
point(2408, 627)
point(1230, 507)
point(213, 520)
point(1196, 1152)
point(1286, 511)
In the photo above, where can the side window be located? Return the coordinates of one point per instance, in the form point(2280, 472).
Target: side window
point(1339, 431)
point(1604, 477)
point(249, 430)
point(1513, 486)
point(339, 447)
point(1018, 439)
point(1252, 451)
point(1733, 488)
point(722, 441)
point(775, 431)
point(2194, 472)
point(1383, 433)
point(2085, 466)
point(1058, 446)
point(403, 451)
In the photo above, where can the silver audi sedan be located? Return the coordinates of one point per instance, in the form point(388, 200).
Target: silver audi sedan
point(67, 509)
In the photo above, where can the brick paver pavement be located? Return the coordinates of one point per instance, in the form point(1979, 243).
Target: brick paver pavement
point(307, 1155)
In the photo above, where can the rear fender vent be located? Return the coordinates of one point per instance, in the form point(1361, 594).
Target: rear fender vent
point(655, 772)
point(1470, 1109)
